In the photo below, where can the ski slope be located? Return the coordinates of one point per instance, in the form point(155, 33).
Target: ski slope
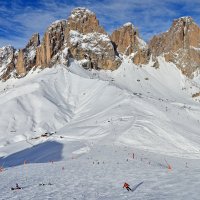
point(96, 121)
point(100, 174)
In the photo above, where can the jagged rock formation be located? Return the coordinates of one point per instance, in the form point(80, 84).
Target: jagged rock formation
point(26, 58)
point(30, 51)
point(7, 59)
point(21, 66)
point(142, 56)
point(96, 49)
point(180, 45)
point(88, 42)
point(82, 38)
point(85, 39)
point(52, 43)
point(127, 41)
point(83, 21)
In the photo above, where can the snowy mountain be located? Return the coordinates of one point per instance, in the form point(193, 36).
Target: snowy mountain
point(95, 111)
point(82, 38)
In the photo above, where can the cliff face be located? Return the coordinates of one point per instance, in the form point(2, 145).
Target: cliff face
point(85, 40)
point(30, 51)
point(26, 58)
point(95, 49)
point(20, 65)
point(52, 43)
point(127, 41)
point(88, 42)
point(81, 37)
point(83, 21)
point(180, 45)
point(7, 62)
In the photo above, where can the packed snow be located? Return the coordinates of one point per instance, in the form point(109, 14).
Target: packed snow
point(71, 133)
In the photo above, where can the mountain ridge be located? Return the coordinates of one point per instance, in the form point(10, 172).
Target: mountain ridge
point(82, 38)
point(83, 111)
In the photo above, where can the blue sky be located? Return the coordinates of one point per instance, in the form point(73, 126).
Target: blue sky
point(19, 19)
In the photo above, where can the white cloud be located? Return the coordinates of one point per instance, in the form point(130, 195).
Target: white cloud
point(26, 21)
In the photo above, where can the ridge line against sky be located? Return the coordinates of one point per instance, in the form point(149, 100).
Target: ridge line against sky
point(19, 19)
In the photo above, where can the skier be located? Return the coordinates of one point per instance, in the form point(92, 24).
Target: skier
point(16, 188)
point(126, 185)
point(1, 169)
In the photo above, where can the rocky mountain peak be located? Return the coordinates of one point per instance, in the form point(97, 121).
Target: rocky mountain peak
point(52, 43)
point(82, 38)
point(26, 57)
point(7, 59)
point(5, 52)
point(80, 13)
point(128, 24)
point(180, 45)
point(127, 39)
point(183, 21)
point(34, 41)
point(182, 34)
point(88, 42)
point(83, 21)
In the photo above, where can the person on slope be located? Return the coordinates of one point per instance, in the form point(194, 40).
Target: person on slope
point(126, 185)
point(16, 188)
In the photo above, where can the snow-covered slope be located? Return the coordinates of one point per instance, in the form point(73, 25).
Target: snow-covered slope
point(143, 107)
point(95, 114)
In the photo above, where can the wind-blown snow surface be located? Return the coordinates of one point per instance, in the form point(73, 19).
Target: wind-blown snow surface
point(98, 119)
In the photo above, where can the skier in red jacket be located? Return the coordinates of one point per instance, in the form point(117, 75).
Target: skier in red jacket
point(126, 185)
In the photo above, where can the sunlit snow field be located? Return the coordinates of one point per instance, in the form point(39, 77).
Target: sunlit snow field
point(97, 121)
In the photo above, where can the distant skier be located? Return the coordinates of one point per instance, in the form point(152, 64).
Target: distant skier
point(126, 185)
point(16, 188)
point(1, 169)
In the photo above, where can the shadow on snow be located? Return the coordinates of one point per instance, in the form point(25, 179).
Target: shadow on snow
point(136, 186)
point(41, 153)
